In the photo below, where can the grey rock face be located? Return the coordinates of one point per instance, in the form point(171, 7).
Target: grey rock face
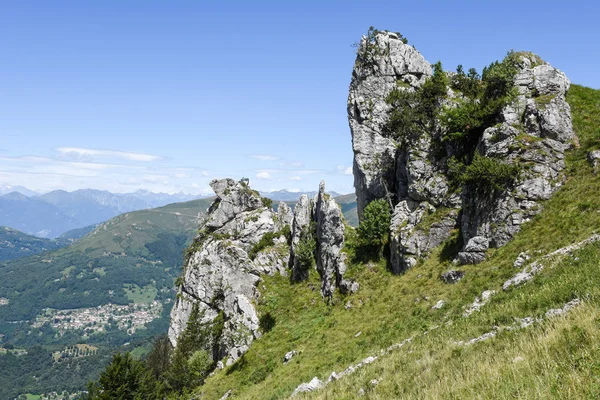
point(233, 198)
point(303, 215)
point(474, 251)
point(330, 240)
point(409, 173)
point(380, 66)
point(220, 277)
point(314, 384)
point(593, 158)
point(285, 216)
point(410, 241)
point(498, 215)
point(537, 131)
point(328, 220)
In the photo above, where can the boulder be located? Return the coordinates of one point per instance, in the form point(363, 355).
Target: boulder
point(593, 158)
point(452, 276)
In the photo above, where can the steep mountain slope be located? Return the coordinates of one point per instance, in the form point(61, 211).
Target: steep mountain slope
point(62, 298)
point(5, 189)
point(531, 352)
point(54, 213)
point(490, 170)
point(15, 244)
point(33, 216)
point(74, 205)
point(474, 271)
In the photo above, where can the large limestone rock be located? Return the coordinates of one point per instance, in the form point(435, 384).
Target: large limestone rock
point(303, 215)
point(220, 277)
point(536, 133)
point(533, 131)
point(328, 233)
point(330, 240)
point(382, 63)
point(409, 173)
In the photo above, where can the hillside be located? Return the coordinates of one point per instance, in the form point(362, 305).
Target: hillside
point(33, 216)
point(15, 244)
point(129, 261)
point(473, 272)
point(531, 353)
point(54, 213)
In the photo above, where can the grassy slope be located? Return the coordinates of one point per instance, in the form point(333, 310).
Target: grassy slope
point(561, 357)
point(122, 250)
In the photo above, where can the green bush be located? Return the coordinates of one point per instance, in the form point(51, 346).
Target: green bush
point(267, 241)
point(413, 112)
point(375, 224)
point(305, 251)
point(200, 364)
point(267, 202)
point(488, 174)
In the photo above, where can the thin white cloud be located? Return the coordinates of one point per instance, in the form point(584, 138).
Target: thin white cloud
point(263, 175)
point(297, 164)
point(344, 170)
point(264, 157)
point(81, 152)
point(295, 178)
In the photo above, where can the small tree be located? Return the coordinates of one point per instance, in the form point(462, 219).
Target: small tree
point(304, 253)
point(159, 358)
point(374, 225)
point(122, 379)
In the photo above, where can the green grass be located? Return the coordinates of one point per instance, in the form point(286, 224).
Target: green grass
point(561, 356)
point(138, 295)
point(33, 396)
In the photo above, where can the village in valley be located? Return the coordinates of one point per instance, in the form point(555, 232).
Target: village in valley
point(97, 319)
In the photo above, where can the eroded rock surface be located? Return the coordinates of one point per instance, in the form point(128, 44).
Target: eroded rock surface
point(382, 62)
point(533, 131)
point(220, 277)
point(327, 229)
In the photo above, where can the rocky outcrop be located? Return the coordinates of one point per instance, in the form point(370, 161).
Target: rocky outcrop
point(219, 275)
point(383, 62)
point(533, 131)
point(412, 236)
point(303, 216)
point(330, 240)
point(409, 173)
point(327, 220)
point(536, 133)
point(229, 255)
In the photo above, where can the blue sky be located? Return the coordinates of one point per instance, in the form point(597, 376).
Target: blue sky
point(165, 96)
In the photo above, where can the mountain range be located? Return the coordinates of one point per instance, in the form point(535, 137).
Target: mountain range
point(51, 214)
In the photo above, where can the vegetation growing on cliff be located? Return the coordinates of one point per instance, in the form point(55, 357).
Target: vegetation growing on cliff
point(554, 358)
